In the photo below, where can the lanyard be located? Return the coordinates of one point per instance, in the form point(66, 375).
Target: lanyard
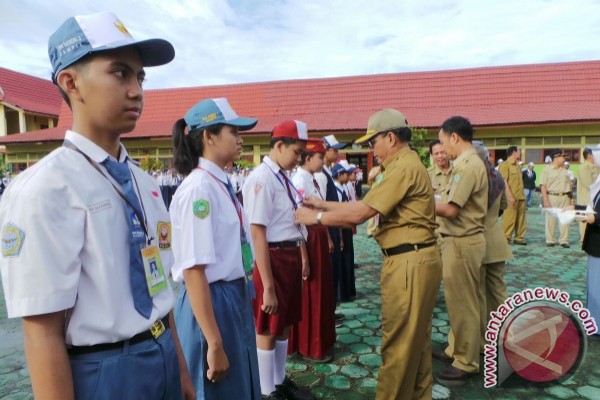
point(141, 218)
point(294, 203)
point(236, 205)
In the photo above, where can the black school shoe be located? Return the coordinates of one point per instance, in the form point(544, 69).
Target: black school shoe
point(291, 391)
point(276, 395)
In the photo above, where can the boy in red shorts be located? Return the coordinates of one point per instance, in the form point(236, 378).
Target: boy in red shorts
point(270, 202)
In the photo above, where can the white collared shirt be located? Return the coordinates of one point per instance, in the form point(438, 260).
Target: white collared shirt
point(74, 251)
point(210, 238)
point(303, 181)
point(267, 203)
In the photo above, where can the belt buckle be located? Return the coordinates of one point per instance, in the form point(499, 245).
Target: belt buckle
point(157, 329)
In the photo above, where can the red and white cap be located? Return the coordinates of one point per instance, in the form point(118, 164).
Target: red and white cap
point(291, 129)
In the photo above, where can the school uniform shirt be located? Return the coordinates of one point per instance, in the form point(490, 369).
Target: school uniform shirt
point(341, 191)
point(267, 203)
point(322, 181)
point(468, 189)
point(204, 219)
point(66, 234)
point(303, 182)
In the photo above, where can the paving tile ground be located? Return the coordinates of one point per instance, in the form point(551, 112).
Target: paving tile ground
point(353, 372)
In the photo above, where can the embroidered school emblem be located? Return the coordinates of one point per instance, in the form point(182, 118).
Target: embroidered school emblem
point(201, 208)
point(163, 231)
point(257, 188)
point(12, 240)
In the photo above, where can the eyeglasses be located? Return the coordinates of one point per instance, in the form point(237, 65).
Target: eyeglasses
point(371, 142)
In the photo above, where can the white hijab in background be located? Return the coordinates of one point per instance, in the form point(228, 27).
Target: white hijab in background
point(595, 187)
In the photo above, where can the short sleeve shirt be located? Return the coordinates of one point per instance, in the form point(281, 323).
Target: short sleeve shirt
point(267, 203)
point(403, 196)
point(206, 225)
point(512, 174)
point(555, 179)
point(468, 189)
point(439, 179)
point(304, 182)
point(69, 245)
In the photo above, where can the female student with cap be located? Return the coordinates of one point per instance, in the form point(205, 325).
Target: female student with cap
point(213, 255)
point(313, 337)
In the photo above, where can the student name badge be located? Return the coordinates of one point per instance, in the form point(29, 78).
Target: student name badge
point(248, 262)
point(155, 274)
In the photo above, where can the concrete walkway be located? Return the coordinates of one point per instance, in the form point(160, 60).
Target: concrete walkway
point(353, 372)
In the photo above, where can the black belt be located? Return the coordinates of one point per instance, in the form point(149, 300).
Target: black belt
point(157, 329)
point(285, 243)
point(559, 194)
point(405, 248)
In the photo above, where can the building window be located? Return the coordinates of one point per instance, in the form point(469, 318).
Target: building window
point(534, 156)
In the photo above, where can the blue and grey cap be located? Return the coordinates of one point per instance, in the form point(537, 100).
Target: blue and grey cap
point(82, 35)
point(211, 112)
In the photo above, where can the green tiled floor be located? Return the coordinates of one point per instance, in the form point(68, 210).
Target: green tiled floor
point(353, 372)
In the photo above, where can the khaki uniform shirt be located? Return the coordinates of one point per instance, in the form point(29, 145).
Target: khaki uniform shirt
point(468, 189)
point(586, 176)
point(512, 174)
point(403, 196)
point(555, 179)
point(439, 179)
point(496, 246)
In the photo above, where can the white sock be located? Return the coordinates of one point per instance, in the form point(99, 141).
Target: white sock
point(281, 347)
point(266, 367)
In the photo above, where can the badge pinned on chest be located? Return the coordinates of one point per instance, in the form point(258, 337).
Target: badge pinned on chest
point(155, 273)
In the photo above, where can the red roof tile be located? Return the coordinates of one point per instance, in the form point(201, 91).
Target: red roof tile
point(491, 96)
point(29, 92)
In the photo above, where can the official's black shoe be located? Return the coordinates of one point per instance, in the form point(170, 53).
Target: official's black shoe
point(565, 245)
point(292, 391)
point(339, 316)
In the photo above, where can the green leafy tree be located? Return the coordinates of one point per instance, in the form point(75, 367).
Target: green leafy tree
point(421, 144)
point(151, 164)
point(243, 164)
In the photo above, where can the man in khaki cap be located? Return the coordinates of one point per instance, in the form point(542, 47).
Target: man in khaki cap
point(401, 200)
point(513, 219)
point(462, 212)
point(556, 193)
point(586, 176)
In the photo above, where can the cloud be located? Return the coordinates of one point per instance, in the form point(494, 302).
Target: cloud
point(224, 42)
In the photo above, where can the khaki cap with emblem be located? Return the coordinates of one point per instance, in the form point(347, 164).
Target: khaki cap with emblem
point(384, 120)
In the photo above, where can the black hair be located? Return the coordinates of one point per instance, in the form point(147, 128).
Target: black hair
point(586, 152)
point(404, 134)
point(79, 66)
point(304, 156)
point(286, 141)
point(433, 143)
point(187, 149)
point(511, 150)
point(459, 125)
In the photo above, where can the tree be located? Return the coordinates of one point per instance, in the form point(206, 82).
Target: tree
point(243, 164)
point(420, 143)
point(151, 164)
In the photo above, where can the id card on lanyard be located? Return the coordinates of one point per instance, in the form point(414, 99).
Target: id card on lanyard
point(247, 257)
point(154, 271)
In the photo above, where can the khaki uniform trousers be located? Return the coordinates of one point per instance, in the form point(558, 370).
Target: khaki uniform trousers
point(409, 288)
point(513, 220)
point(494, 293)
point(557, 202)
point(464, 298)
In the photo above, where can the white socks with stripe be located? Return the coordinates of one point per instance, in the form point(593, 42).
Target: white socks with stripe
point(281, 347)
point(266, 370)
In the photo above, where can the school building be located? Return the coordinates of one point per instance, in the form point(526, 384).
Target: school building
point(537, 107)
point(27, 103)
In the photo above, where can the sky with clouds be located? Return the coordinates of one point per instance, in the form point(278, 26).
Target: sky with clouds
point(238, 41)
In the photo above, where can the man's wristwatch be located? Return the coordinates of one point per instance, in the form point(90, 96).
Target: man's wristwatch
point(319, 215)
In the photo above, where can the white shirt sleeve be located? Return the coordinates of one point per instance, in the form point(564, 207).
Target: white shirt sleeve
point(189, 225)
point(258, 199)
point(41, 274)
